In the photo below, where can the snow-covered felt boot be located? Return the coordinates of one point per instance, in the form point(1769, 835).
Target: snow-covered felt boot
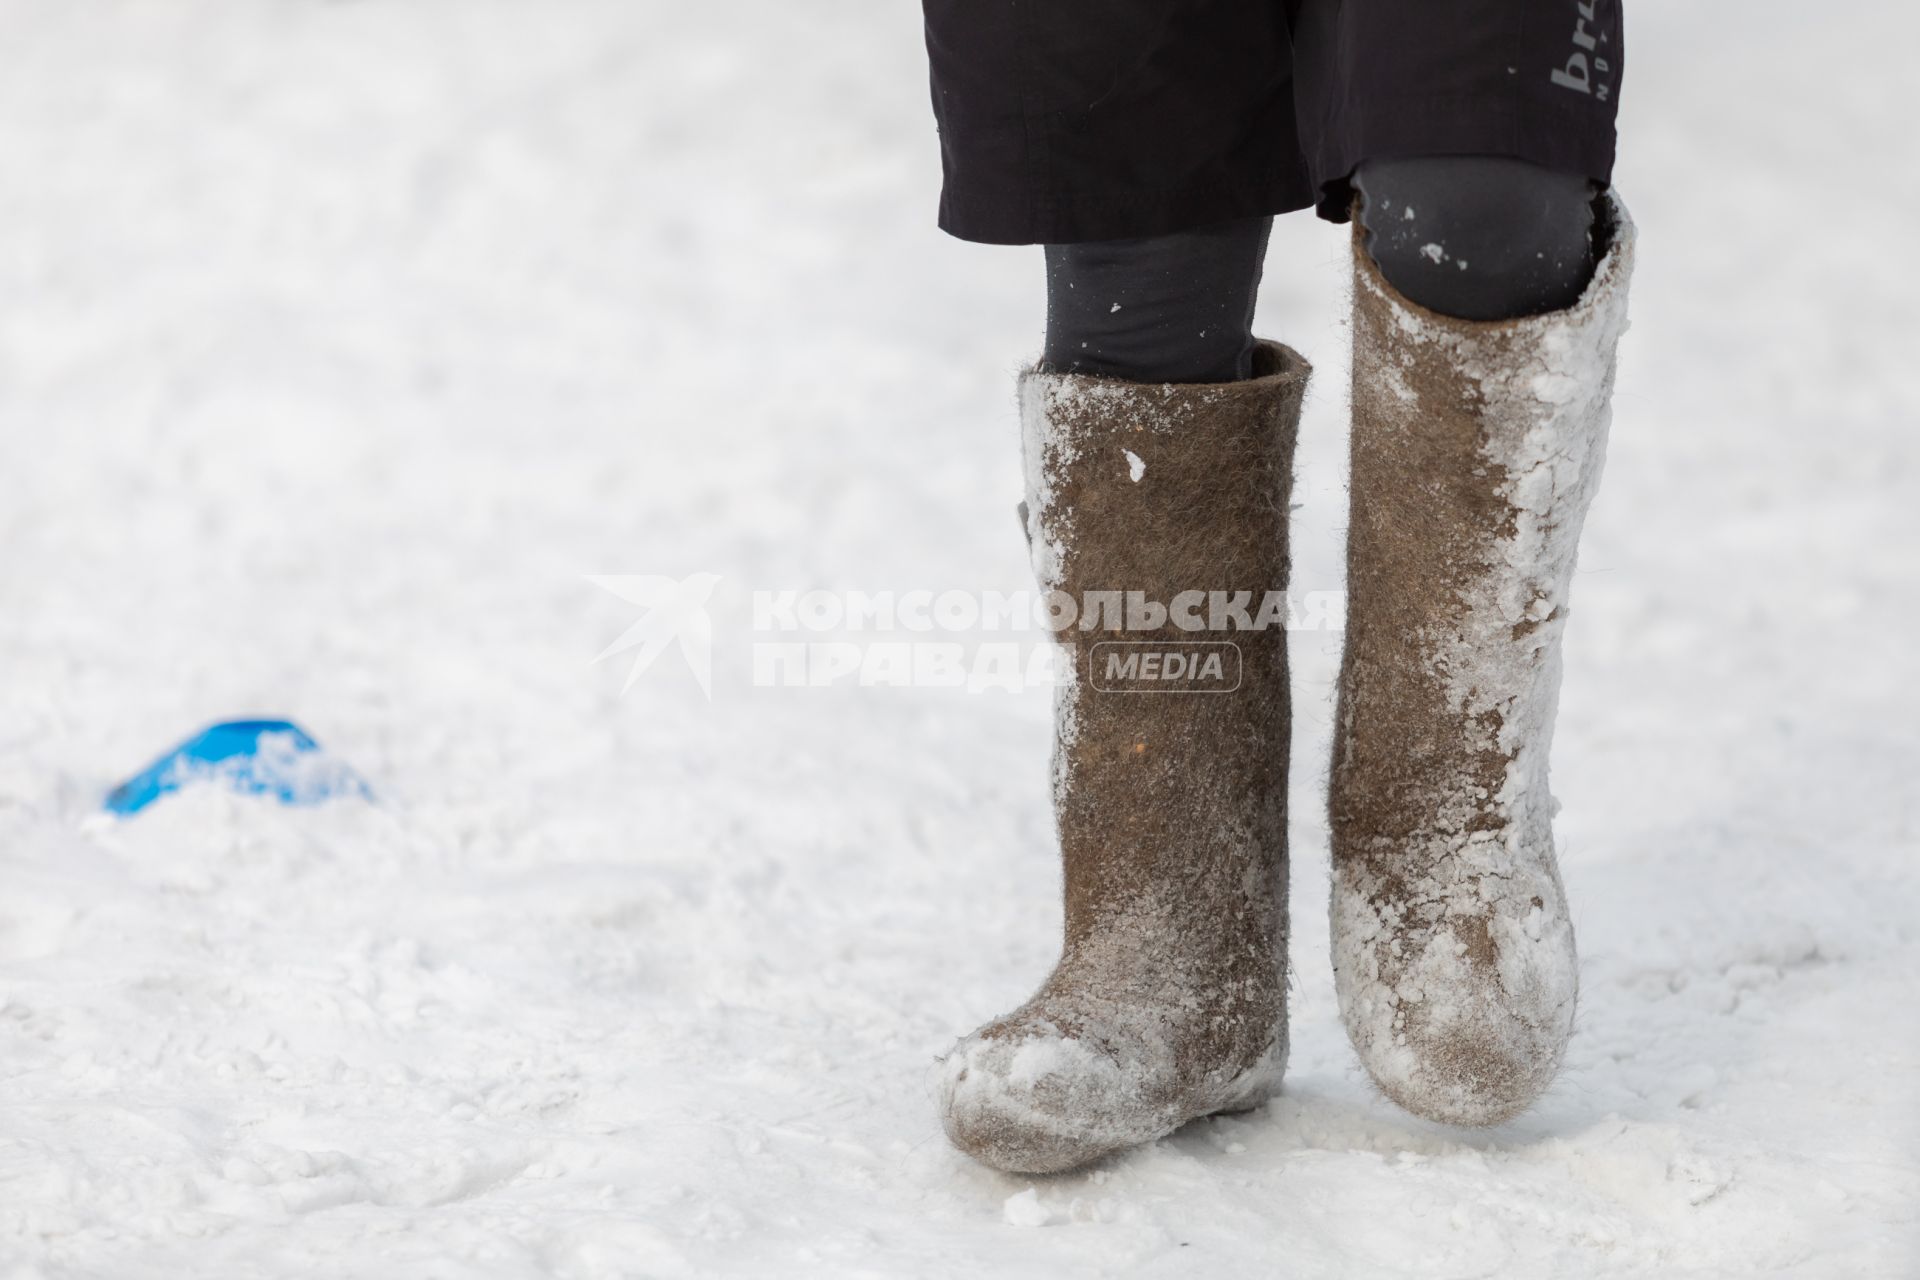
point(1477, 447)
point(1169, 999)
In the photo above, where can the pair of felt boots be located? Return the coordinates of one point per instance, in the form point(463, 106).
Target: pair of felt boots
point(1476, 448)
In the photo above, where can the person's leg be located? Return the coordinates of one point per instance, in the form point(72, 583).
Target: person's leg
point(1484, 331)
point(1159, 439)
point(1158, 442)
point(1478, 237)
point(1171, 308)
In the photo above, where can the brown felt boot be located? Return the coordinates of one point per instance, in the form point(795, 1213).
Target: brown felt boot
point(1169, 1000)
point(1476, 449)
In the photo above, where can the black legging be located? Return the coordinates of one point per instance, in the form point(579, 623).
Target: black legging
point(1479, 237)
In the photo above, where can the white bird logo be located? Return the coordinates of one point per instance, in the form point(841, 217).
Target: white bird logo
point(675, 611)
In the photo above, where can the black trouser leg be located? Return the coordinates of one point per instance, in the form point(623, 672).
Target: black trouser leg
point(1479, 237)
point(1176, 308)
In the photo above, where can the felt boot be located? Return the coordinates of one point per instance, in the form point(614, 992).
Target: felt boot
point(1476, 449)
point(1169, 999)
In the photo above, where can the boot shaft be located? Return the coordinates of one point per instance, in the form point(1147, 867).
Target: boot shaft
point(1174, 497)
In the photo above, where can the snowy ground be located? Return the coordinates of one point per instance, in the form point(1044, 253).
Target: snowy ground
point(339, 342)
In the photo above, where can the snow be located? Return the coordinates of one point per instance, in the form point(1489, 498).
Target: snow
point(342, 343)
point(1024, 1209)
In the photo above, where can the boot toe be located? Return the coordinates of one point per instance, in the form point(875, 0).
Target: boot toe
point(1031, 1099)
point(1464, 1023)
point(1469, 1072)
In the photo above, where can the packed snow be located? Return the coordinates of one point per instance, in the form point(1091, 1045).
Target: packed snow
point(342, 344)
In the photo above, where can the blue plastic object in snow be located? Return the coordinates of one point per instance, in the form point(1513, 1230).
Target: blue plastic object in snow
point(274, 758)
